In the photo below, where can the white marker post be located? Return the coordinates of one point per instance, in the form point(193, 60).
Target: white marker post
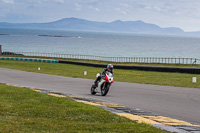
point(38, 68)
point(194, 79)
point(85, 72)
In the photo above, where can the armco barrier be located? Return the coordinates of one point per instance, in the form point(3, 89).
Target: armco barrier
point(143, 68)
point(29, 59)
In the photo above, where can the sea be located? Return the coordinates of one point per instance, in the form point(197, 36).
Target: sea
point(108, 44)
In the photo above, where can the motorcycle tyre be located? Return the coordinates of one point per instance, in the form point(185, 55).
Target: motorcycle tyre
point(105, 89)
point(92, 90)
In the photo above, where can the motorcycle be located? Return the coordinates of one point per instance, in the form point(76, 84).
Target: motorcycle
point(103, 85)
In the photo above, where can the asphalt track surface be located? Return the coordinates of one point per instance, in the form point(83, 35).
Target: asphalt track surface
point(175, 102)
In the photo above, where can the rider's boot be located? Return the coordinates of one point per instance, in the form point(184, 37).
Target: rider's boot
point(96, 83)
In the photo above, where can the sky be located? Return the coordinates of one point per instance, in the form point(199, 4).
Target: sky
point(184, 14)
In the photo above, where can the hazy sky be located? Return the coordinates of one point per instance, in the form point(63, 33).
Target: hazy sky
point(165, 13)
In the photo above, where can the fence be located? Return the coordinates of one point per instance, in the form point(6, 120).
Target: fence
point(0, 50)
point(112, 59)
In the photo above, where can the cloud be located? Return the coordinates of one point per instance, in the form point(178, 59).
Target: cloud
point(125, 5)
point(121, 11)
point(94, 8)
point(60, 1)
point(7, 1)
point(78, 7)
point(97, 9)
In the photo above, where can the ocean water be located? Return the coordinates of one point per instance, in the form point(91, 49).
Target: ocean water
point(99, 43)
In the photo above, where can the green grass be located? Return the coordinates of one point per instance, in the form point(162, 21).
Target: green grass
point(132, 76)
point(24, 110)
point(114, 63)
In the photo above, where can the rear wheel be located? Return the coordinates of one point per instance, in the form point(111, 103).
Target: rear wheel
point(105, 89)
point(92, 90)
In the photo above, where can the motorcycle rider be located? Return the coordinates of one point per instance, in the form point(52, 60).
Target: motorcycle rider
point(103, 73)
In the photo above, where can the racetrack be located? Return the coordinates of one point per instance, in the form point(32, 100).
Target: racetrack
point(175, 102)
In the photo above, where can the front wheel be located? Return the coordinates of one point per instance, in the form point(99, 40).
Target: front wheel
point(105, 89)
point(92, 90)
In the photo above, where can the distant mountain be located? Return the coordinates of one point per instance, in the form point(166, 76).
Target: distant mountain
point(86, 25)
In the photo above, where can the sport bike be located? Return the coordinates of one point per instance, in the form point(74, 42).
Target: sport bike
point(103, 85)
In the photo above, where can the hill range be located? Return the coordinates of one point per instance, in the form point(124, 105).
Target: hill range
point(115, 26)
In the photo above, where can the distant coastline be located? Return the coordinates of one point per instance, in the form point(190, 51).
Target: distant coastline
point(59, 36)
point(53, 36)
point(4, 34)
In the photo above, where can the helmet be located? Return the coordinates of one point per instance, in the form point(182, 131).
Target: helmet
point(110, 67)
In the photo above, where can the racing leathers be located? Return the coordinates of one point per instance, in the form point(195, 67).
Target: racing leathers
point(102, 75)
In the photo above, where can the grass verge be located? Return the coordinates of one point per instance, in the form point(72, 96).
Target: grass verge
point(24, 110)
point(132, 76)
point(114, 63)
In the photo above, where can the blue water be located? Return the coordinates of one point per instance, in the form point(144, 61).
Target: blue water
point(99, 43)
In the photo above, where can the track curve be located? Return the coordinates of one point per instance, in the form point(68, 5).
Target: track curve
point(175, 102)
